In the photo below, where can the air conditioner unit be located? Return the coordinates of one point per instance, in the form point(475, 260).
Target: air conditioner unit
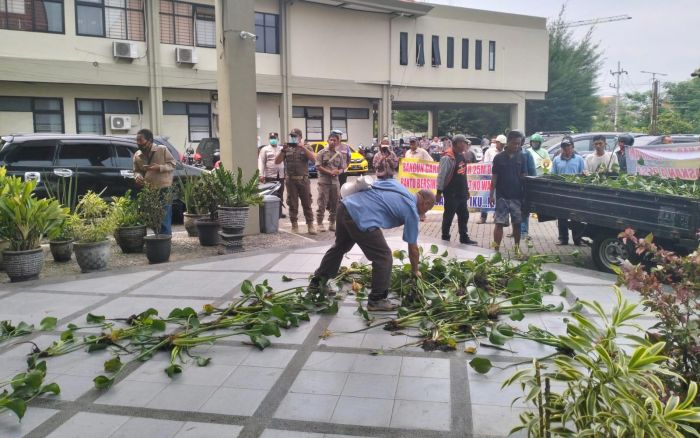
point(119, 123)
point(185, 55)
point(124, 50)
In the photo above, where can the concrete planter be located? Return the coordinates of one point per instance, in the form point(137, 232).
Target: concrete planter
point(130, 239)
point(61, 250)
point(189, 220)
point(23, 265)
point(93, 256)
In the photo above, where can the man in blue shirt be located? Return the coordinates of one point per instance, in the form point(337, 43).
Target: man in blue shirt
point(568, 163)
point(360, 218)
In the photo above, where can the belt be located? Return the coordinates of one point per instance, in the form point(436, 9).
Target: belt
point(297, 178)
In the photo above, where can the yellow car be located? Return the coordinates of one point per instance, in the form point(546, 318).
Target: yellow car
point(358, 163)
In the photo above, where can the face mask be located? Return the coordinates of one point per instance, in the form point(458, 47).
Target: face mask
point(273, 141)
point(535, 146)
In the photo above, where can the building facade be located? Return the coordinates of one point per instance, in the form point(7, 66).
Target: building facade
point(115, 66)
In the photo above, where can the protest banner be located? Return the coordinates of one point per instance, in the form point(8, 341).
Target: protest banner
point(667, 161)
point(479, 182)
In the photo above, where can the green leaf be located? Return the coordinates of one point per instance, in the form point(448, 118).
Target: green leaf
point(287, 279)
point(260, 341)
point(203, 361)
point(278, 312)
point(247, 288)
point(16, 405)
point(72, 327)
point(103, 382)
point(158, 325)
point(549, 276)
point(481, 365)
point(270, 329)
point(515, 285)
point(182, 313)
point(95, 319)
point(48, 323)
point(173, 369)
point(113, 365)
point(53, 388)
point(516, 315)
point(67, 335)
point(433, 249)
point(96, 347)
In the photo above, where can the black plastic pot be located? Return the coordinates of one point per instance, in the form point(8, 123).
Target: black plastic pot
point(130, 239)
point(61, 250)
point(208, 232)
point(158, 248)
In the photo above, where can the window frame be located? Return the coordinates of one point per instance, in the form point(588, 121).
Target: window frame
point(420, 50)
point(172, 17)
point(276, 27)
point(465, 53)
point(189, 113)
point(60, 111)
point(91, 144)
point(195, 19)
point(104, 7)
point(78, 113)
point(343, 118)
point(435, 58)
point(492, 55)
point(450, 52)
point(307, 118)
point(63, 18)
point(403, 48)
point(478, 54)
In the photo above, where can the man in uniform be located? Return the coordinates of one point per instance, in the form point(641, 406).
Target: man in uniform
point(296, 157)
point(329, 164)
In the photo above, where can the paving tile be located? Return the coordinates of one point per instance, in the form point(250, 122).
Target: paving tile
point(270, 357)
point(386, 365)
point(423, 389)
point(570, 275)
point(32, 307)
point(298, 263)
point(297, 335)
point(348, 340)
point(491, 394)
point(181, 397)
point(370, 386)
point(72, 387)
point(208, 430)
point(79, 363)
point(10, 427)
point(210, 375)
point(327, 361)
point(223, 354)
point(111, 284)
point(274, 280)
point(494, 420)
point(421, 415)
point(425, 367)
point(274, 433)
point(131, 393)
point(307, 407)
point(87, 425)
point(251, 263)
point(188, 284)
point(319, 382)
point(383, 341)
point(149, 427)
point(253, 377)
point(234, 401)
point(498, 374)
point(363, 411)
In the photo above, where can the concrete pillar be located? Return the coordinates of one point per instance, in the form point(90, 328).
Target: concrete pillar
point(517, 116)
point(433, 122)
point(155, 88)
point(285, 69)
point(385, 119)
point(237, 91)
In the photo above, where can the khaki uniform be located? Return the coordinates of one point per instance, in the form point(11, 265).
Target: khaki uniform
point(298, 185)
point(328, 186)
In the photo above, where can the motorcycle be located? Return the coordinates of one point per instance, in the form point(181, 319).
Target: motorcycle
point(271, 188)
point(189, 156)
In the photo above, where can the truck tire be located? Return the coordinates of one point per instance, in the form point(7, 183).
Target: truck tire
point(607, 251)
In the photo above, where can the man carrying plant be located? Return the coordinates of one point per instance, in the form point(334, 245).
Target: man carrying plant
point(601, 160)
point(154, 165)
point(361, 216)
point(296, 157)
point(568, 163)
point(269, 169)
point(329, 164)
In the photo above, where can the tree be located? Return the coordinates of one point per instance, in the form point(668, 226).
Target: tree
point(571, 100)
point(683, 98)
point(672, 122)
point(475, 120)
point(409, 120)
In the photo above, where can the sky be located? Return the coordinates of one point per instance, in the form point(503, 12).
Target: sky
point(662, 36)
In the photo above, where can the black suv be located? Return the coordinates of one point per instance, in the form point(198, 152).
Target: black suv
point(208, 152)
point(101, 162)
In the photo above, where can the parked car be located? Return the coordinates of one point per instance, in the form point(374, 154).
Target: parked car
point(103, 164)
point(583, 143)
point(358, 163)
point(208, 152)
point(648, 140)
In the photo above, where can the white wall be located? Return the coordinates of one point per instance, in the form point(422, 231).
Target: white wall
point(359, 130)
point(16, 123)
point(269, 116)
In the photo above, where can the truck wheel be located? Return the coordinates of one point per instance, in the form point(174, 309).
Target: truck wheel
point(608, 251)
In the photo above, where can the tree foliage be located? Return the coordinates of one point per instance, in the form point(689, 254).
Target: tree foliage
point(571, 100)
point(414, 121)
point(471, 119)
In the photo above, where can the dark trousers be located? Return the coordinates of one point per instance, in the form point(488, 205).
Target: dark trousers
point(372, 244)
point(299, 189)
point(342, 178)
point(576, 230)
point(458, 205)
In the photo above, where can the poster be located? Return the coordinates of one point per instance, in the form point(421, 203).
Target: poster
point(668, 161)
point(415, 175)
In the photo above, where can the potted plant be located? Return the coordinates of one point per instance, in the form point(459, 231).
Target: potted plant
point(190, 189)
point(235, 199)
point(208, 226)
point(130, 229)
point(65, 191)
point(24, 221)
point(94, 223)
point(151, 203)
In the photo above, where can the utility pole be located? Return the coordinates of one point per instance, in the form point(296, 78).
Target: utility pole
point(617, 73)
point(654, 99)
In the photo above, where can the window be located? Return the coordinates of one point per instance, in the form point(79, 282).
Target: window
point(450, 52)
point(198, 117)
point(314, 121)
point(339, 120)
point(403, 48)
point(492, 55)
point(267, 30)
point(33, 153)
point(119, 19)
point(435, 52)
point(97, 154)
point(465, 52)
point(48, 115)
point(420, 54)
point(187, 24)
point(32, 15)
point(477, 53)
point(125, 159)
point(90, 116)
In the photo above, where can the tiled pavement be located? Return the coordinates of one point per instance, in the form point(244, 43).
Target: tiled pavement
point(301, 386)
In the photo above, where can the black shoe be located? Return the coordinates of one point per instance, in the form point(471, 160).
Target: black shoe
point(468, 241)
point(447, 238)
point(283, 216)
point(577, 242)
point(317, 285)
point(509, 235)
point(562, 243)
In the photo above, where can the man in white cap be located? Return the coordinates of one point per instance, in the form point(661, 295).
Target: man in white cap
point(415, 152)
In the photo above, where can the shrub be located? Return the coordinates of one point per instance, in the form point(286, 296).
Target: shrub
point(125, 211)
point(151, 202)
point(94, 219)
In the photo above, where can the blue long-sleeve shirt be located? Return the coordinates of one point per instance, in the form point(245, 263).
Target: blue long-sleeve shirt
point(572, 166)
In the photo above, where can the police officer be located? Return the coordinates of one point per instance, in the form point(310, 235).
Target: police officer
point(296, 157)
point(329, 164)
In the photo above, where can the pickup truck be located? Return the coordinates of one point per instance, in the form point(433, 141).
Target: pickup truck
point(673, 220)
